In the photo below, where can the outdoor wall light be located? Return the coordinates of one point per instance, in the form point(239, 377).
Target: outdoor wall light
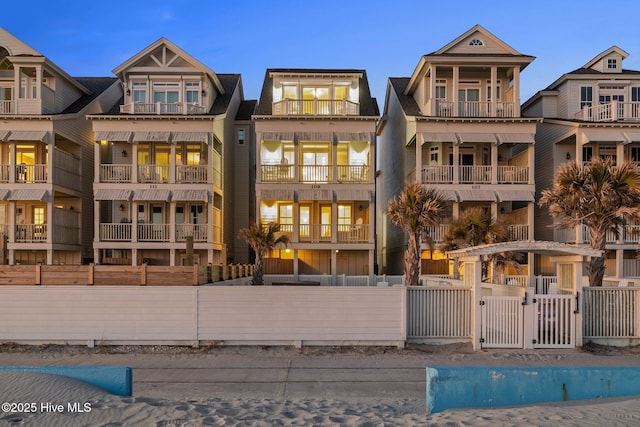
point(128, 92)
point(121, 207)
point(124, 153)
point(568, 156)
point(203, 92)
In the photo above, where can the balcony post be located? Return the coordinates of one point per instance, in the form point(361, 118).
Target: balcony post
point(418, 167)
point(432, 90)
point(494, 159)
point(516, 90)
point(456, 83)
point(134, 163)
point(157, 108)
point(614, 110)
point(494, 91)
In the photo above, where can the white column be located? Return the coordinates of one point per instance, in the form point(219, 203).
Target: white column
point(419, 142)
point(620, 262)
point(456, 82)
point(494, 91)
point(456, 162)
point(432, 92)
point(531, 159)
point(494, 162)
point(97, 148)
point(473, 280)
point(134, 163)
point(516, 90)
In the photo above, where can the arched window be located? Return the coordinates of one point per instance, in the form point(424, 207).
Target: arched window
point(476, 42)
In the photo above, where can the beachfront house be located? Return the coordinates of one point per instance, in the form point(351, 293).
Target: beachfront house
point(455, 125)
point(160, 158)
point(46, 156)
point(315, 150)
point(593, 110)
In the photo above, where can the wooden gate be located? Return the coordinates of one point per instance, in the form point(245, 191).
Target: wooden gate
point(502, 322)
point(554, 325)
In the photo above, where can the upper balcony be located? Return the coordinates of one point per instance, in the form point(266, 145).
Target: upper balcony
point(610, 112)
point(285, 173)
point(481, 109)
point(154, 174)
point(180, 108)
point(316, 107)
point(483, 174)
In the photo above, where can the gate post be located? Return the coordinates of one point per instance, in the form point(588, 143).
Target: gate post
point(473, 281)
point(528, 318)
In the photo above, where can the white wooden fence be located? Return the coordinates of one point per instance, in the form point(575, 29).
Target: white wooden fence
point(443, 313)
point(611, 314)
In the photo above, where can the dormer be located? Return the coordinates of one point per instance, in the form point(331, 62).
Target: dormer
point(475, 75)
point(30, 84)
point(164, 79)
point(318, 93)
point(609, 61)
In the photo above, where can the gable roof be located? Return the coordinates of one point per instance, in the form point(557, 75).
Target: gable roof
point(15, 46)
point(607, 52)
point(95, 85)
point(163, 42)
point(494, 52)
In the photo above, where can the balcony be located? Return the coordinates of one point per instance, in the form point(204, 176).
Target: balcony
point(162, 108)
point(472, 108)
point(121, 232)
point(444, 174)
point(314, 233)
point(517, 232)
point(31, 233)
point(283, 173)
point(611, 112)
point(315, 107)
point(155, 174)
point(353, 233)
point(7, 107)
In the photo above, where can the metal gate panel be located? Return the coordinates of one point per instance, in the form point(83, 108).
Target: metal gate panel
point(554, 324)
point(502, 322)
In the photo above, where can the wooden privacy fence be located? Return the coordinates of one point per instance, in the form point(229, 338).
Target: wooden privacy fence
point(127, 275)
point(442, 312)
point(269, 315)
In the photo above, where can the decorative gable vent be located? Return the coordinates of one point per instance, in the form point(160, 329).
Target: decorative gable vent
point(476, 42)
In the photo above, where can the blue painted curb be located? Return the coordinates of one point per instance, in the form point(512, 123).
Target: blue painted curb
point(115, 379)
point(464, 387)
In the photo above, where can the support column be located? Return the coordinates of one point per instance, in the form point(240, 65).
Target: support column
point(531, 161)
point(432, 93)
point(456, 163)
point(473, 281)
point(456, 83)
point(334, 266)
point(295, 264)
point(419, 142)
point(494, 163)
point(494, 91)
point(516, 90)
point(619, 262)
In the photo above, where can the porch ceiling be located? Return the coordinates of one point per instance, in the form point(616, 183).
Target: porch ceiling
point(515, 195)
point(439, 137)
point(516, 138)
point(476, 195)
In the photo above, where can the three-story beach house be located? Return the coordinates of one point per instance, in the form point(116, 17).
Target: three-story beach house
point(160, 158)
point(46, 156)
point(455, 125)
point(591, 111)
point(315, 150)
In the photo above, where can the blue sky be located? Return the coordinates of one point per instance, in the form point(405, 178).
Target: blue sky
point(386, 38)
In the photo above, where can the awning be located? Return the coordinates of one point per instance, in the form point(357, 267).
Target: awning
point(31, 194)
point(3, 194)
point(516, 138)
point(28, 135)
point(476, 195)
point(604, 137)
point(189, 137)
point(353, 195)
point(315, 136)
point(631, 136)
point(353, 136)
point(280, 194)
point(278, 136)
point(190, 196)
point(477, 137)
point(114, 136)
point(151, 136)
point(109, 194)
point(449, 195)
point(515, 195)
point(4, 134)
point(439, 137)
point(315, 194)
point(152, 195)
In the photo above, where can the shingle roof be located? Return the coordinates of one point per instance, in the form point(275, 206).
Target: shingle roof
point(409, 105)
point(368, 105)
point(592, 71)
point(229, 83)
point(96, 85)
point(246, 109)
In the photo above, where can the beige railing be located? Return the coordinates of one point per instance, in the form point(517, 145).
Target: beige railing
point(314, 232)
point(4, 173)
point(198, 231)
point(161, 108)
point(437, 174)
point(317, 107)
point(31, 173)
point(513, 174)
point(518, 232)
point(7, 107)
point(436, 234)
point(277, 173)
point(315, 173)
point(191, 173)
point(153, 232)
point(115, 173)
point(353, 173)
point(31, 233)
point(610, 112)
point(353, 233)
point(438, 312)
point(115, 232)
point(66, 170)
point(153, 173)
point(475, 174)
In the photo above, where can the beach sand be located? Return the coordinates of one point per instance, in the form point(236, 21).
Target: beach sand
point(270, 386)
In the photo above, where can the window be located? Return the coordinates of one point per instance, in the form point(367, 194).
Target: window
point(39, 215)
point(139, 91)
point(434, 155)
point(635, 94)
point(192, 92)
point(489, 91)
point(240, 136)
point(635, 154)
point(586, 96)
point(441, 89)
point(344, 217)
point(476, 42)
point(166, 93)
point(612, 64)
point(587, 154)
point(285, 213)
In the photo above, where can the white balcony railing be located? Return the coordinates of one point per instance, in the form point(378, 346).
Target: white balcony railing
point(353, 173)
point(436, 234)
point(115, 173)
point(31, 233)
point(277, 173)
point(153, 232)
point(437, 174)
point(162, 108)
point(7, 107)
point(475, 109)
point(315, 173)
point(115, 232)
point(316, 107)
point(153, 173)
point(610, 112)
point(353, 233)
point(518, 232)
point(198, 231)
point(31, 173)
point(513, 174)
point(475, 174)
point(193, 174)
point(314, 232)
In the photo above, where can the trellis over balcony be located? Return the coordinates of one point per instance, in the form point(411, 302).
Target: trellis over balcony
point(445, 174)
point(498, 109)
point(121, 232)
point(315, 107)
point(120, 173)
point(315, 173)
point(610, 112)
point(181, 108)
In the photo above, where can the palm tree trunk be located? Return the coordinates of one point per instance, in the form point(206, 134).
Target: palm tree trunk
point(596, 265)
point(412, 261)
point(258, 269)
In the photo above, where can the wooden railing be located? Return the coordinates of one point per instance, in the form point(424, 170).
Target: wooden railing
point(436, 234)
point(316, 107)
point(314, 173)
point(475, 174)
point(7, 107)
point(31, 173)
point(473, 108)
point(153, 173)
point(518, 232)
point(31, 233)
point(115, 173)
point(353, 173)
point(513, 174)
point(277, 173)
point(115, 232)
point(353, 233)
point(153, 232)
point(442, 174)
point(198, 231)
point(314, 232)
point(194, 174)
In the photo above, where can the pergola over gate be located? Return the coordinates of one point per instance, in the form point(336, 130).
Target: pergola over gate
point(533, 328)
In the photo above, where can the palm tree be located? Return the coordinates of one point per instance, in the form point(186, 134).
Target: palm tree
point(414, 209)
point(599, 195)
point(262, 239)
point(473, 227)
